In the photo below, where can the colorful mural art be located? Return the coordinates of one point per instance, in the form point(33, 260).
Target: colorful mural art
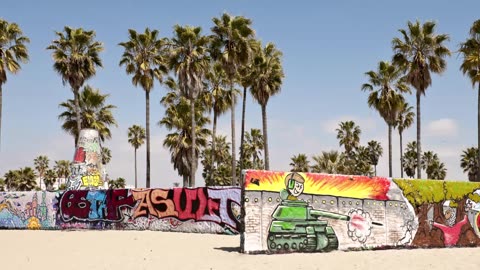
point(87, 171)
point(203, 210)
point(27, 210)
point(307, 212)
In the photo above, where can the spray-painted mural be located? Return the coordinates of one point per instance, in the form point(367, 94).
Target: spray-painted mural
point(307, 212)
point(204, 210)
point(27, 210)
point(86, 169)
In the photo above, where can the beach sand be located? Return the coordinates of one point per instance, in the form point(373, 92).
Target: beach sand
point(91, 250)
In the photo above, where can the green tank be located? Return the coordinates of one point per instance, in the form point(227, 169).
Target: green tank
point(295, 227)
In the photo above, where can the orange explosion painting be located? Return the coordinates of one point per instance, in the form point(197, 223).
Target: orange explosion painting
point(352, 186)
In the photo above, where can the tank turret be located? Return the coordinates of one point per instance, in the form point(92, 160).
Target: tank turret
point(295, 227)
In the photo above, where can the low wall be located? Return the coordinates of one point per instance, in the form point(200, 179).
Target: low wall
point(306, 212)
point(202, 210)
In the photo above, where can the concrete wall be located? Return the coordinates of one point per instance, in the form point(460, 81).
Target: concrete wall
point(377, 212)
point(202, 210)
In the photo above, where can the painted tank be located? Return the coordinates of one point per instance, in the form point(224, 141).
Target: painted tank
point(296, 227)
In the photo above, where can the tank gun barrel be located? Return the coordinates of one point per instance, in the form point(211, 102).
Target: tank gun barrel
point(325, 214)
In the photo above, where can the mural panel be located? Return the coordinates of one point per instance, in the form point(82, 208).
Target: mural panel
point(304, 212)
point(27, 210)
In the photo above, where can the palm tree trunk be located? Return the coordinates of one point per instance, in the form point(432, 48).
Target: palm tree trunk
point(265, 137)
point(234, 161)
point(76, 96)
point(214, 134)
point(147, 116)
point(185, 180)
point(389, 150)
point(192, 167)
point(242, 136)
point(419, 144)
point(401, 155)
point(136, 183)
point(375, 170)
point(478, 132)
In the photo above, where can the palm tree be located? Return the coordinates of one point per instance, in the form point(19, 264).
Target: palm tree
point(26, 179)
point(300, 163)
point(404, 121)
point(2, 184)
point(13, 51)
point(11, 180)
point(361, 163)
point(50, 178)
point(116, 184)
point(106, 155)
point(409, 159)
point(62, 169)
point(222, 174)
point(246, 80)
point(190, 62)
point(437, 170)
point(470, 50)
point(386, 98)
point(76, 57)
point(331, 162)
point(94, 114)
point(41, 165)
point(136, 137)
point(221, 99)
point(177, 119)
point(144, 57)
point(231, 47)
point(268, 76)
point(253, 147)
point(421, 52)
point(469, 163)
point(375, 151)
point(348, 135)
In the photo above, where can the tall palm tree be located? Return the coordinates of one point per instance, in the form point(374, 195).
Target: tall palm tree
point(420, 52)
point(385, 86)
point(375, 151)
point(62, 169)
point(13, 51)
point(76, 57)
point(469, 163)
point(190, 62)
point(94, 114)
point(26, 179)
point(409, 159)
point(246, 81)
point(231, 47)
point(268, 76)
point(144, 57)
point(221, 100)
point(41, 165)
point(404, 121)
point(136, 137)
point(300, 163)
point(470, 50)
point(177, 119)
point(348, 135)
point(331, 162)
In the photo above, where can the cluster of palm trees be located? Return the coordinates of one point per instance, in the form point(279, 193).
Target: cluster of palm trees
point(201, 72)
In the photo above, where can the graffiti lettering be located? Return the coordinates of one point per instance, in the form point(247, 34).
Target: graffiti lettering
point(155, 203)
point(91, 180)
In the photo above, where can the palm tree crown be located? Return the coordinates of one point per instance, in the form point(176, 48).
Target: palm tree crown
point(348, 135)
point(13, 51)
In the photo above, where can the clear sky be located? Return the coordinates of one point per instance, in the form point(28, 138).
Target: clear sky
point(327, 47)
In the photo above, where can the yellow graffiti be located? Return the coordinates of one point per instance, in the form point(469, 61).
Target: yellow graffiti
point(91, 180)
point(33, 224)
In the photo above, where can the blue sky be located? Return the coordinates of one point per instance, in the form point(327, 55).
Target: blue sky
point(327, 48)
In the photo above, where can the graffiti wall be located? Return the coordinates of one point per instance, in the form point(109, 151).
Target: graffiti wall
point(203, 210)
point(306, 212)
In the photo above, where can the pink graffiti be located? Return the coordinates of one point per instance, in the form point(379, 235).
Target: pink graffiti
point(358, 222)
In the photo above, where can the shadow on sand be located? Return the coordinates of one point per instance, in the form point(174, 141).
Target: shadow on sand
point(228, 249)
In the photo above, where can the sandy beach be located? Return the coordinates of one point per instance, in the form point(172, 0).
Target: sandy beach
point(162, 250)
